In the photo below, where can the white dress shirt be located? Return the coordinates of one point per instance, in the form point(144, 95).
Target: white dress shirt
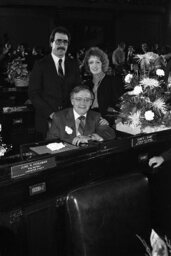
point(56, 60)
point(77, 121)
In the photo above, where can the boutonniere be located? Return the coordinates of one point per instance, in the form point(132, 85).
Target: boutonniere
point(68, 130)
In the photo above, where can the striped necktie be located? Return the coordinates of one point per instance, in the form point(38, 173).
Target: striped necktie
point(60, 70)
point(81, 125)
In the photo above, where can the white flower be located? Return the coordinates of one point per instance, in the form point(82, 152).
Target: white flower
point(128, 78)
point(149, 82)
point(137, 90)
point(68, 130)
point(149, 115)
point(147, 57)
point(158, 245)
point(135, 118)
point(140, 56)
point(169, 85)
point(2, 151)
point(151, 56)
point(160, 104)
point(160, 72)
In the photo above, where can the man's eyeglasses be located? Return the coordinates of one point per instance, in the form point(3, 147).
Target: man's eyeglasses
point(61, 41)
point(86, 100)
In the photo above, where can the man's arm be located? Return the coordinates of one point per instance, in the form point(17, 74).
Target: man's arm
point(166, 155)
point(58, 129)
point(54, 130)
point(35, 91)
point(104, 130)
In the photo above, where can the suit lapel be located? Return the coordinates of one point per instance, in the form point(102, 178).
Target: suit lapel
point(89, 126)
point(67, 67)
point(70, 121)
point(52, 67)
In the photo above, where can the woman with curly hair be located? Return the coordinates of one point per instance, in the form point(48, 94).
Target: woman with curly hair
point(104, 86)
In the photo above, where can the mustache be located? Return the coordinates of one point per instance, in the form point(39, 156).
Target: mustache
point(61, 48)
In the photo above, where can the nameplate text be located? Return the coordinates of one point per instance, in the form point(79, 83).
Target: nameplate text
point(32, 167)
point(138, 141)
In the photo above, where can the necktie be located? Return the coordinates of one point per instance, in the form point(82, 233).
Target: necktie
point(60, 70)
point(81, 125)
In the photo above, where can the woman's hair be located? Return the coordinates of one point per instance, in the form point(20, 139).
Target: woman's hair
point(95, 51)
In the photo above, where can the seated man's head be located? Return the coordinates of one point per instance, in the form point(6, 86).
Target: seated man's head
point(81, 99)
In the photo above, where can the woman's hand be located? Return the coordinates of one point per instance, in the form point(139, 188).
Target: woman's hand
point(111, 110)
point(156, 161)
point(103, 121)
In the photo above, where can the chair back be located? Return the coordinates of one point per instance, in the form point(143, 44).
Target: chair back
point(105, 217)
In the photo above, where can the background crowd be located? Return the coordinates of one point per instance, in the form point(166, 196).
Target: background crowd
point(121, 58)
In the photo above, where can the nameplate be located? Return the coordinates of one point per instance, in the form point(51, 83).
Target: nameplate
point(32, 167)
point(7, 110)
point(143, 140)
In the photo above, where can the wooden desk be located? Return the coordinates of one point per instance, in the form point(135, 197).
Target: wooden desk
point(32, 203)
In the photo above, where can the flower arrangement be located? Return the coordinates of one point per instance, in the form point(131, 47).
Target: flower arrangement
point(159, 246)
point(150, 62)
point(17, 69)
point(3, 147)
point(144, 106)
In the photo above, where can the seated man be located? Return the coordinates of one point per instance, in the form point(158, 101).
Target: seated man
point(80, 124)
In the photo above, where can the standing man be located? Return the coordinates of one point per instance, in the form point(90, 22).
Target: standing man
point(51, 81)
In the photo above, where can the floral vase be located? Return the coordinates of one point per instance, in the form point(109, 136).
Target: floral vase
point(21, 82)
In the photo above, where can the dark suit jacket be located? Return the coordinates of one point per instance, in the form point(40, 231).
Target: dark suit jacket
point(64, 121)
point(108, 92)
point(49, 92)
point(166, 155)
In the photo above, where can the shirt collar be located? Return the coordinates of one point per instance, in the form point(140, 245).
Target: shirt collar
point(76, 115)
point(56, 59)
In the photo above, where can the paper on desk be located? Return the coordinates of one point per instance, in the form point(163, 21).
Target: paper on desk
point(51, 148)
point(55, 146)
point(43, 149)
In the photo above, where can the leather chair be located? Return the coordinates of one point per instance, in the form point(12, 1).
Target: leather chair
point(104, 217)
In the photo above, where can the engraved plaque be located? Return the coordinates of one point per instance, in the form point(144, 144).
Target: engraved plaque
point(32, 167)
point(138, 141)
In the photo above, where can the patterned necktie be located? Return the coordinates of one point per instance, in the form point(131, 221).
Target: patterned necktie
point(60, 70)
point(81, 125)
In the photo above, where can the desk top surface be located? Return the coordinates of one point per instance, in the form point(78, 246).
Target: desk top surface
point(35, 157)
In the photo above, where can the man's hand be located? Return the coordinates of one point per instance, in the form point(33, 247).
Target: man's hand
point(51, 115)
point(80, 139)
point(103, 121)
point(96, 137)
point(156, 161)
